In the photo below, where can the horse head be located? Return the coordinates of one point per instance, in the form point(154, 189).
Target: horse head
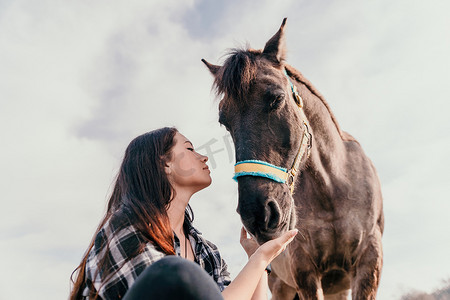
point(262, 111)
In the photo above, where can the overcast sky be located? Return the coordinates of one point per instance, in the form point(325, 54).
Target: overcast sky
point(80, 79)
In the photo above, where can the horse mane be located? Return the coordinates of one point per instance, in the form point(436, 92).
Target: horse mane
point(297, 75)
point(240, 69)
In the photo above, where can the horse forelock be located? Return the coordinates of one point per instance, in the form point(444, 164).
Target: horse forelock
point(237, 74)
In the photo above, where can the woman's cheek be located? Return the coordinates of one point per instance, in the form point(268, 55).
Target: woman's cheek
point(185, 170)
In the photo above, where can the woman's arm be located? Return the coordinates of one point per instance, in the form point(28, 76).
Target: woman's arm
point(251, 276)
point(250, 246)
point(261, 289)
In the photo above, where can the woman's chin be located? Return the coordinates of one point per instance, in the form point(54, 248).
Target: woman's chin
point(208, 182)
point(200, 185)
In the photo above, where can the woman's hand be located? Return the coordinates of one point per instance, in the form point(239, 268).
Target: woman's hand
point(249, 244)
point(270, 249)
point(251, 278)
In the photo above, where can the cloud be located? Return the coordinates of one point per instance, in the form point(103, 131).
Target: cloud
point(438, 294)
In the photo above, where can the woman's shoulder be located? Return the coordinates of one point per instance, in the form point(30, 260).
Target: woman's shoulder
point(113, 232)
point(128, 251)
point(122, 240)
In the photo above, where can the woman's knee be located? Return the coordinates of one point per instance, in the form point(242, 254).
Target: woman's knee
point(174, 278)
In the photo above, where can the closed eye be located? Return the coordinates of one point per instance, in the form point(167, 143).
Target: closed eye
point(274, 99)
point(277, 102)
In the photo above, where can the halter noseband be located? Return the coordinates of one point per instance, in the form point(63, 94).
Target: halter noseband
point(264, 169)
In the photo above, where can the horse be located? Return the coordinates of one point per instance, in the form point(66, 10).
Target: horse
point(296, 168)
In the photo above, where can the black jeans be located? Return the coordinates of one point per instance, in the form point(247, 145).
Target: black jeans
point(173, 277)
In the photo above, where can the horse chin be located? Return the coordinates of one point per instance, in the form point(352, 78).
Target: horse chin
point(263, 237)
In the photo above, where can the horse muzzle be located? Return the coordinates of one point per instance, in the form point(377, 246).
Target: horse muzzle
point(265, 216)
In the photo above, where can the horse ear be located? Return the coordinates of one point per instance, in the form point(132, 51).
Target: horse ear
point(212, 68)
point(275, 47)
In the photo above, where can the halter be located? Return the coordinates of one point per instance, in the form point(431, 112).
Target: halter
point(278, 174)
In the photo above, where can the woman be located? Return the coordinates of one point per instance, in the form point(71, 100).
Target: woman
point(145, 246)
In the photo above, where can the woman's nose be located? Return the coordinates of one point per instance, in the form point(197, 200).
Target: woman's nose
point(204, 158)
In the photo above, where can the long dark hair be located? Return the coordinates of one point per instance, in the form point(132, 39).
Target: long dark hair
point(143, 193)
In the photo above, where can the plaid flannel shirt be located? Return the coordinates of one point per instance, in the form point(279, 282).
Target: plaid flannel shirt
point(125, 241)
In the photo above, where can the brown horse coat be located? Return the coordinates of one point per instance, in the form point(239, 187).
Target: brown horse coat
point(337, 201)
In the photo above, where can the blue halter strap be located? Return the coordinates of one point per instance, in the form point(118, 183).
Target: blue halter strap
point(260, 168)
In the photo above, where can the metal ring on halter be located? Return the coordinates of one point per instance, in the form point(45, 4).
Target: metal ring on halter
point(310, 139)
point(298, 99)
point(290, 180)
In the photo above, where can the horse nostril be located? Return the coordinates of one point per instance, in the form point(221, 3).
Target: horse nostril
point(272, 217)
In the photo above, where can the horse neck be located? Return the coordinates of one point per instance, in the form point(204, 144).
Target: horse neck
point(328, 154)
point(328, 141)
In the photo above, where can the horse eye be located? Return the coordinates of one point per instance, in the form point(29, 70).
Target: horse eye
point(280, 97)
point(277, 101)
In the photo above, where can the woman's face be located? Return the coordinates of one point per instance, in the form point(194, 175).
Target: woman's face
point(187, 168)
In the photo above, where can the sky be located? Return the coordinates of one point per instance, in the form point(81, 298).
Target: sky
point(80, 79)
